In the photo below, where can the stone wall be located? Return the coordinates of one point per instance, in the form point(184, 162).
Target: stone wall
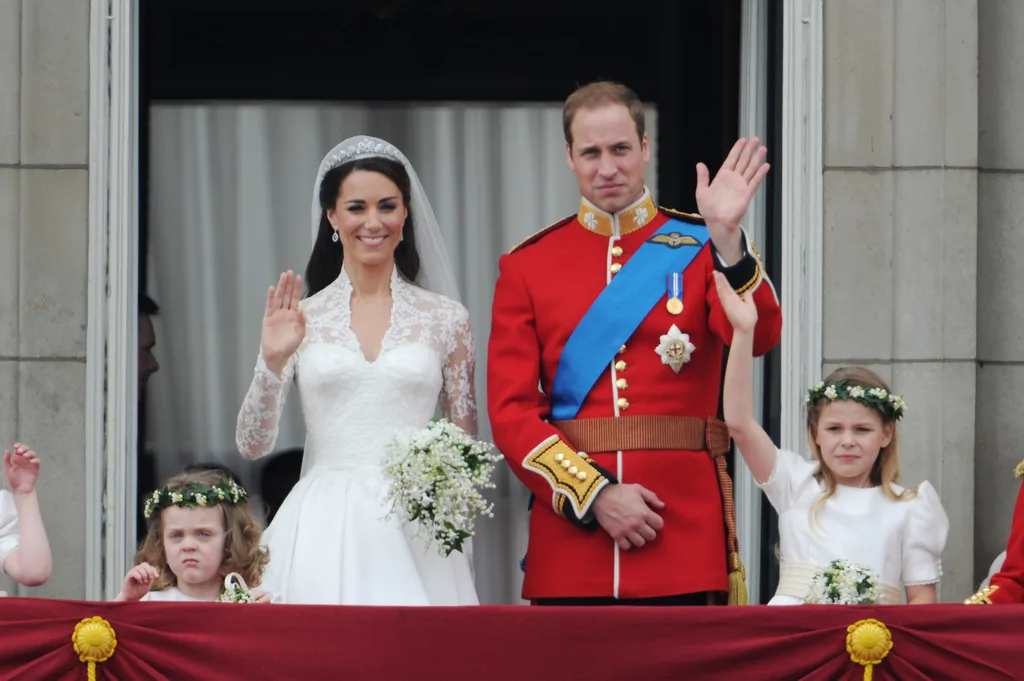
point(901, 233)
point(44, 143)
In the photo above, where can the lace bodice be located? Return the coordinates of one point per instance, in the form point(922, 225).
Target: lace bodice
point(352, 407)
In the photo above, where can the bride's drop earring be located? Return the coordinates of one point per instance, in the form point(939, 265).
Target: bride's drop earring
point(335, 237)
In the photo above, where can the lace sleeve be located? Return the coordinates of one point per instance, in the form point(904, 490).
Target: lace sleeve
point(259, 417)
point(458, 397)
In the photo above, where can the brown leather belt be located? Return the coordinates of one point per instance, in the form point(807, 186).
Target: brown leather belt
point(685, 433)
point(627, 433)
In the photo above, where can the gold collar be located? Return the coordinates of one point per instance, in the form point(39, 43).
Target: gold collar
point(627, 220)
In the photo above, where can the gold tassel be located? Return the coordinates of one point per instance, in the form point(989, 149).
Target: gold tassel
point(1019, 470)
point(738, 582)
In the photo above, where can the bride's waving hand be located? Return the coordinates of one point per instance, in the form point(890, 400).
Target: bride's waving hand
point(284, 328)
point(284, 325)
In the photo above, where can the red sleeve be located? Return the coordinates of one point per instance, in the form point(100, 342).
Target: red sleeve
point(1007, 585)
point(535, 450)
point(746, 276)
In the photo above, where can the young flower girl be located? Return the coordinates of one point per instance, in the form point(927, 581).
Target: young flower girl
point(848, 533)
point(203, 544)
point(24, 548)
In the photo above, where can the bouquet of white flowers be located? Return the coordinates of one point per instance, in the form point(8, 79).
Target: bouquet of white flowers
point(235, 590)
point(436, 476)
point(844, 583)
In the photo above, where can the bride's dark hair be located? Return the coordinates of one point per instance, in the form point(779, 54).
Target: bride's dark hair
point(324, 264)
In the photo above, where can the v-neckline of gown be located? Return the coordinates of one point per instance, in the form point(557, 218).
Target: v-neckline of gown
point(348, 291)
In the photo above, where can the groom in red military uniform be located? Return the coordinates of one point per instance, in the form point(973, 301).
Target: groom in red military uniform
point(1007, 585)
point(604, 371)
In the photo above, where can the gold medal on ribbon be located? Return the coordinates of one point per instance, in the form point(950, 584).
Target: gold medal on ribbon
point(674, 286)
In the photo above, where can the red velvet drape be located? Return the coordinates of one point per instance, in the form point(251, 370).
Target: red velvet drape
point(179, 641)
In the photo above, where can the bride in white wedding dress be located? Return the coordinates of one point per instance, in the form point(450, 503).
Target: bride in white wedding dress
point(377, 345)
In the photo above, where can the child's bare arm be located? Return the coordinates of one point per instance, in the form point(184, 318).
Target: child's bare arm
point(738, 391)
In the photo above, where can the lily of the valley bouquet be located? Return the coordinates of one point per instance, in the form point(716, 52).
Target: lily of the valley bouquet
point(236, 590)
point(844, 583)
point(436, 476)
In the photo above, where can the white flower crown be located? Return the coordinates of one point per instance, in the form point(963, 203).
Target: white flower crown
point(194, 494)
point(891, 406)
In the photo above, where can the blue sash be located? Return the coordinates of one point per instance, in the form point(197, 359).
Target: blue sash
point(619, 310)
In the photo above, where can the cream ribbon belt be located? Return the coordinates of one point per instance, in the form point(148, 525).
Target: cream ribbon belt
point(795, 580)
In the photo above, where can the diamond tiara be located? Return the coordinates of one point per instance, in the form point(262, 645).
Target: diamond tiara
point(361, 149)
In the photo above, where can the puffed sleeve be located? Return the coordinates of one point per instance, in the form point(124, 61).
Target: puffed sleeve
point(9, 535)
point(791, 473)
point(924, 538)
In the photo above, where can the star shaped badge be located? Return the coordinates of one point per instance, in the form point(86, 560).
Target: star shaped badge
point(675, 348)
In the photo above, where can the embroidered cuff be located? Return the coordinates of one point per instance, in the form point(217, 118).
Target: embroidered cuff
point(745, 275)
point(573, 476)
point(982, 597)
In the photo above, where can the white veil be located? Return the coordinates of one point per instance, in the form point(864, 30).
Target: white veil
point(436, 272)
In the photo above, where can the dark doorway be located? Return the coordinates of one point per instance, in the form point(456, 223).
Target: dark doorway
point(772, 253)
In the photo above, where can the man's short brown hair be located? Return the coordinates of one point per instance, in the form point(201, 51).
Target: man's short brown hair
point(598, 94)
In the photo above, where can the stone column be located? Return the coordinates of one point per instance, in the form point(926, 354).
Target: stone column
point(901, 232)
point(44, 142)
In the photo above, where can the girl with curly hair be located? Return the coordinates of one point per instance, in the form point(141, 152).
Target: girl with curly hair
point(201, 530)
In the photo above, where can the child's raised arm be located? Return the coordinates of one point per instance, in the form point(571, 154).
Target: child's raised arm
point(31, 562)
point(738, 392)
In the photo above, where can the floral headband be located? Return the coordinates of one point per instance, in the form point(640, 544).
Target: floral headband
point(194, 494)
point(890, 406)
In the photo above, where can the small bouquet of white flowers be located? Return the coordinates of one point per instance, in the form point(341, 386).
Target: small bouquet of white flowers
point(235, 590)
point(844, 583)
point(436, 475)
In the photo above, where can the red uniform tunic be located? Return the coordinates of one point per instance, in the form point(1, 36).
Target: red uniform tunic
point(545, 287)
point(1007, 585)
